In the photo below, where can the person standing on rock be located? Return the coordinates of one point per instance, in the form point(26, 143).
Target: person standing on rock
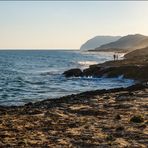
point(117, 56)
point(114, 56)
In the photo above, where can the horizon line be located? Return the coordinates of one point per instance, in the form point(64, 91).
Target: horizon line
point(38, 49)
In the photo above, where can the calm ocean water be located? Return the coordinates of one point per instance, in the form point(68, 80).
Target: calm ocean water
point(29, 76)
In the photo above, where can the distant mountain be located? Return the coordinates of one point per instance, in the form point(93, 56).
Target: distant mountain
point(129, 42)
point(98, 41)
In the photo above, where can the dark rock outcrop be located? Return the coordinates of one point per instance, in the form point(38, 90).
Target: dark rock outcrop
point(130, 72)
point(134, 66)
point(94, 71)
point(73, 73)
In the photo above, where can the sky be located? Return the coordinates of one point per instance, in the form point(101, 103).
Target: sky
point(67, 25)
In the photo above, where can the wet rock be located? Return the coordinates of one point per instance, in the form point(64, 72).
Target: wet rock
point(93, 71)
point(73, 73)
point(29, 104)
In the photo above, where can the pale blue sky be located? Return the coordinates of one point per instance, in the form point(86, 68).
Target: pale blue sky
point(66, 24)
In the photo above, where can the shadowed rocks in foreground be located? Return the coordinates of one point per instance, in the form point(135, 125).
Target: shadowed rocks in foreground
point(101, 118)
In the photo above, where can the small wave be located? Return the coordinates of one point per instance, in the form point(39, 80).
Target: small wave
point(50, 72)
point(87, 63)
point(35, 83)
point(120, 77)
point(121, 55)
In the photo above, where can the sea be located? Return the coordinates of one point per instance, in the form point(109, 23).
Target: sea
point(34, 75)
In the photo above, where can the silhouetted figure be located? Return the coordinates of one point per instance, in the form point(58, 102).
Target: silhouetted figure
point(114, 56)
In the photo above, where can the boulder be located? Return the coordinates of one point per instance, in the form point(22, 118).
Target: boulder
point(73, 73)
point(92, 71)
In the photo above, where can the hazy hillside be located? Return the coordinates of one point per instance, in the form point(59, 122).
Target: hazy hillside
point(130, 42)
point(138, 53)
point(98, 41)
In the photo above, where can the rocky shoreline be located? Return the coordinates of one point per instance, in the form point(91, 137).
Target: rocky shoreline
point(128, 68)
point(133, 66)
point(102, 118)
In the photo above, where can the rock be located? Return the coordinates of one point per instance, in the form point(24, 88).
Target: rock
point(113, 69)
point(106, 97)
point(118, 117)
point(119, 129)
point(29, 104)
point(73, 73)
point(122, 142)
point(34, 112)
point(137, 119)
point(89, 112)
point(123, 106)
point(92, 71)
point(110, 138)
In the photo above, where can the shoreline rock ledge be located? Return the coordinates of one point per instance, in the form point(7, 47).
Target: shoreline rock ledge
point(130, 68)
point(76, 72)
point(138, 73)
point(133, 66)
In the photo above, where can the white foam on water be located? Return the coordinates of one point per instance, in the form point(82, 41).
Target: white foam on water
point(86, 64)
